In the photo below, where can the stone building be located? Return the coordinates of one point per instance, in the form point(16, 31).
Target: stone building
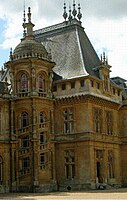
point(63, 120)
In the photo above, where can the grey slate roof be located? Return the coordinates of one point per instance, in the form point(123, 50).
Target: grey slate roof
point(71, 49)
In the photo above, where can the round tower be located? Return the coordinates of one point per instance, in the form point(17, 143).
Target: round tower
point(30, 69)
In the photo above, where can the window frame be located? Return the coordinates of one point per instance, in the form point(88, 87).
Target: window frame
point(43, 161)
point(41, 83)
point(97, 120)
point(69, 157)
point(68, 117)
point(23, 83)
point(24, 120)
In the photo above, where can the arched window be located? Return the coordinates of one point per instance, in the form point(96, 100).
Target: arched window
point(24, 119)
point(24, 83)
point(41, 83)
point(1, 170)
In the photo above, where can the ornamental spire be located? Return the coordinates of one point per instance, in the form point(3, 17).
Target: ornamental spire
point(29, 15)
point(28, 27)
point(70, 16)
point(74, 12)
point(79, 12)
point(24, 21)
point(65, 13)
point(104, 59)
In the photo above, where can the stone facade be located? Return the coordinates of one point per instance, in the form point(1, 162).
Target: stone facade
point(60, 134)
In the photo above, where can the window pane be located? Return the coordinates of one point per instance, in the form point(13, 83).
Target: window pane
point(25, 142)
point(42, 138)
point(24, 83)
point(40, 83)
point(26, 163)
point(24, 120)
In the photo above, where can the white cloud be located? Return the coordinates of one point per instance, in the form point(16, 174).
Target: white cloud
point(110, 35)
point(105, 22)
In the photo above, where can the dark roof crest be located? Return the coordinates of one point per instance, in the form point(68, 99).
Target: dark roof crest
point(72, 13)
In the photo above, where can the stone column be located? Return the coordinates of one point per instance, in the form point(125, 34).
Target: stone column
point(34, 146)
point(12, 119)
point(52, 121)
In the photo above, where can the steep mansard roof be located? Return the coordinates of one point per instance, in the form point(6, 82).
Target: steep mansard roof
point(71, 49)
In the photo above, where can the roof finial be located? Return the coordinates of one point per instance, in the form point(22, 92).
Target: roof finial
point(28, 26)
point(104, 59)
point(65, 13)
point(107, 60)
point(11, 56)
point(101, 58)
point(79, 12)
point(70, 16)
point(29, 15)
point(74, 12)
point(24, 21)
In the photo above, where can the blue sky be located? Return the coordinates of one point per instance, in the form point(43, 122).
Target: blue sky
point(3, 52)
point(105, 23)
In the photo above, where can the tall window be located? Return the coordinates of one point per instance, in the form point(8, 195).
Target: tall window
point(25, 142)
point(24, 83)
point(25, 163)
point(111, 164)
point(109, 123)
point(42, 138)
point(68, 120)
point(42, 161)
point(24, 119)
point(42, 117)
point(1, 170)
point(69, 164)
point(98, 120)
point(41, 85)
